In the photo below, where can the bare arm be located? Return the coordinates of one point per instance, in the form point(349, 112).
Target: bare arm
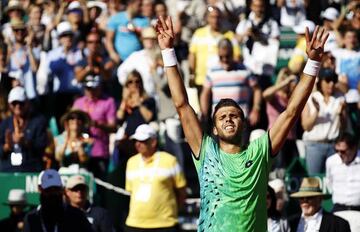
point(110, 46)
point(188, 118)
point(308, 119)
point(299, 97)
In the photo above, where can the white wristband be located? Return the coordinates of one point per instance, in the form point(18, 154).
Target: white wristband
point(312, 67)
point(169, 57)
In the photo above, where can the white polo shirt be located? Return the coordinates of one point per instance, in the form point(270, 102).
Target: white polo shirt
point(344, 180)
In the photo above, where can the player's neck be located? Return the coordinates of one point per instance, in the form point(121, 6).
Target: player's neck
point(230, 148)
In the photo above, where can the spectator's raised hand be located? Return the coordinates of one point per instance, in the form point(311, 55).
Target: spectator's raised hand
point(165, 32)
point(315, 44)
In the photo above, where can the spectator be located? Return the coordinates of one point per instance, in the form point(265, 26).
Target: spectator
point(97, 14)
point(277, 98)
point(23, 136)
point(142, 61)
point(123, 31)
point(330, 16)
point(203, 46)
point(95, 59)
point(313, 217)
point(24, 58)
point(259, 30)
point(73, 146)
point(155, 198)
point(279, 187)
point(289, 13)
point(148, 11)
point(14, 10)
point(350, 16)
point(101, 109)
point(275, 222)
point(343, 179)
point(230, 79)
point(17, 203)
point(322, 117)
point(52, 214)
point(58, 66)
point(76, 193)
point(35, 26)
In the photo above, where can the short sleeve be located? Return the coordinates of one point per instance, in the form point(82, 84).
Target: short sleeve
point(179, 178)
point(112, 24)
point(261, 149)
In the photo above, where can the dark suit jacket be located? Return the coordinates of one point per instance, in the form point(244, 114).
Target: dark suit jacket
point(329, 223)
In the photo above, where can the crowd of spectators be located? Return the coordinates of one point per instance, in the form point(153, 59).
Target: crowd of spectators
point(78, 77)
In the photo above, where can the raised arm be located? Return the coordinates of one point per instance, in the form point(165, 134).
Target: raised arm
point(299, 97)
point(188, 118)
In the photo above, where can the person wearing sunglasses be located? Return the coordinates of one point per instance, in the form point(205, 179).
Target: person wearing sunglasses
point(322, 118)
point(23, 136)
point(313, 217)
point(343, 179)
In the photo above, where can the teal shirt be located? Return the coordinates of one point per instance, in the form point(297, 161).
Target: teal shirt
point(233, 186)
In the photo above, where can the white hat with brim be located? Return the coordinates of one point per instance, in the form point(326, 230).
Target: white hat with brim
point(98, 4)
point(49, 178)
point(143, 133)
point(64, 28)
point(16, 197)
point(300, 28)
point(17, 94)
point(14, 5)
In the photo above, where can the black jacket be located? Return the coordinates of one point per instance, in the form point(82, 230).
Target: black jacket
point(329, 223)
point(72, 220)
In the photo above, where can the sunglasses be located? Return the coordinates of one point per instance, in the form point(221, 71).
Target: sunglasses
point(22, 30)
point(328, 80)
point(92, 41)
point(340, 151)
point(133, 82)
point(78, 188)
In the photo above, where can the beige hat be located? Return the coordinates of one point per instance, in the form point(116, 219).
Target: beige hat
point(148, 33)
point(310, 187)
point(17, 24)
point(75, 181)
point(14, 5)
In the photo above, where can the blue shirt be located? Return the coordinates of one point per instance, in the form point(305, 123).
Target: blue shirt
point(126, 41)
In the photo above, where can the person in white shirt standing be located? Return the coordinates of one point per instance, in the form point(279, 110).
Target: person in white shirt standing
point(313, 218)
point(343, 179)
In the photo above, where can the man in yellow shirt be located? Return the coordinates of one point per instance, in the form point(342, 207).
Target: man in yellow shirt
point(203, 46)
point(156, 184)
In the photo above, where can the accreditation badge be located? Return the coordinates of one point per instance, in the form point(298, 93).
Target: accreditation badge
point(16, 158)
point(143, 194)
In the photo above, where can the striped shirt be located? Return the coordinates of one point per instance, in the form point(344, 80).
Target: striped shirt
point(235, 84)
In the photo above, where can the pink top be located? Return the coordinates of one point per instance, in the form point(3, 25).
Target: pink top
point(274, 108)
point(101, 110)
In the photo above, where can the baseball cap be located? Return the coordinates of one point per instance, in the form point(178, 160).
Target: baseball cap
point(330, 14)
point(92, 81)
point(74, 181)
point(49, 178)
point(144, 132)
point(17, 94)
point(73, 6)
point(300, 28)
point(64, 28)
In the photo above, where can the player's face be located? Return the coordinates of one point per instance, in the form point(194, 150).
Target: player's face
point(228, 124)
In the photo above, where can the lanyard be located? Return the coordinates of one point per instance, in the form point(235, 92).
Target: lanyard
point(153, 170)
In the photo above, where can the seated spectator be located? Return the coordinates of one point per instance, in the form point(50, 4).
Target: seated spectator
point(73, 146)
point(322, 118)
point(313, 217)
point(23, 136)
point(17, 203)
point(343, 179)
point(142, 61)
point(14, 10)
point(76, 193)
point(275, 222)
point(156, 184)
point(277, 97)
point(101, 109)
point(52, 214)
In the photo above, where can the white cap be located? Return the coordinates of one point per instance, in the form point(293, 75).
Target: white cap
point(255, 134)
point(17, 94)
point(144, 132)
point(74, 5)
point(64, 28)
point(300, 28)
point(49, 178)
point(99, 4)
point(74, 181)
point(330, 14)
point(17, 197)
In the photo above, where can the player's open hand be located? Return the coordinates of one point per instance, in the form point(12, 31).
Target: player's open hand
point(315, 45)
point(165, 32)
